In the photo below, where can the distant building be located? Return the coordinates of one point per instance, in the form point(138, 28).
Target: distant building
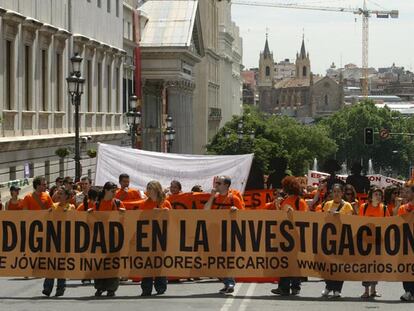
point(250, 96)
point(303, 96)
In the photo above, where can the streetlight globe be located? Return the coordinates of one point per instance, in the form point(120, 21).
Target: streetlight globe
point(81, 83)
point(76, 61)
point(240, 134)
point(133, 101)
point(172, 135)
point(240, 124)
point(72, 80)
point(169, 121)
point(130, 117)
point(138, 117)
point(252, 134)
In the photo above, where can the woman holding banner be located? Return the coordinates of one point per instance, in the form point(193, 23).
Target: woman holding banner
point(107, 202)
point(373, 208)
point(155, 200)
point(63, 197)
point(292, 202)
point(392, 200)
point(350, 196)
point(336, 206)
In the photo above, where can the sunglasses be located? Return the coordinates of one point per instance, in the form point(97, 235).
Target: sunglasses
point(218, 183)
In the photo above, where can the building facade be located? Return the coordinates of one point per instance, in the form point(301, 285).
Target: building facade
point(171, 46)
point(37, 117)
point(304, 96)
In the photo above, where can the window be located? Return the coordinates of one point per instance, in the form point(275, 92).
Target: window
point(326, 99)
point(108, 6)
point(99, 3)
point(304, 71)
point(117, 8)
point(89, 84)
point(43, 80)
point(129, 31)
point(58, 82)
point(99, 108)
point(108, 88)
point(267, 71)
point(9, 63)
point(27, 77)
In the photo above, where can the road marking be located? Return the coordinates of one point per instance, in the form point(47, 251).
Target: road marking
point(249, 293)
point(229, 301)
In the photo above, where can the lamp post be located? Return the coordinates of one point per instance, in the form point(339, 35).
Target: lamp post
point(169, 133)
point(134, 119)
point(75, 87)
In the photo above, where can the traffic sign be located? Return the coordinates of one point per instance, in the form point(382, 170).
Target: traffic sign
point(384, 133)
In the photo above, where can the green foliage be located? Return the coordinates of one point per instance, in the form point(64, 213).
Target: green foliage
point(346, 127)
point(91, 153)
point(62, 152)
point(274, 137)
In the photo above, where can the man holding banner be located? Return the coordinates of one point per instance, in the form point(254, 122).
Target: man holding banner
point(222, 198)
point(39, 199)
point(403, 210)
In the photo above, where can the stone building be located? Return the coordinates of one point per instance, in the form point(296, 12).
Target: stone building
point(171, 46)
point(37, 40)
point(304, 96)
point(218, 92)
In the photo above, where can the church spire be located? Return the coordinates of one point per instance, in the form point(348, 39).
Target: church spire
point(302, 49)
point(266, 52)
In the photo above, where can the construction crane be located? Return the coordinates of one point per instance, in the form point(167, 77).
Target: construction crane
point(364, 12)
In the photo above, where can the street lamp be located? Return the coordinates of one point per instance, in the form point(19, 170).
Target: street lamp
point(169, 133)
point(134, 119)
point(227, 133)
point(75, 88)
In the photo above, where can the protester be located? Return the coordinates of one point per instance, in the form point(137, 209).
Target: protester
point(63, 195)
point(14, 203)
point(89, 201)
point(359, 182)
point(156, 200)
point(392, 199)
point(278, 167)
point(68, 184)
point(58, 184)
point(331, 167)
point(350, 196)
point(222, 198)
point(320, 195)
point(125, 193)
point(85, 184)
point(403, 210)
point(336, 206)
point(106, 202)
point(39, 199)
point(197, 188)
point(175, 187)
point(303, 182)
point(292, 202)
point(373, 208)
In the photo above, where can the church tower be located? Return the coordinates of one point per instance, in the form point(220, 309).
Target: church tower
point(266, 67)
point(303, 68)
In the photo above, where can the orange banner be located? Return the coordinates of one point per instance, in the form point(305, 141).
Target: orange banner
point(81, 245)
point(253, 199)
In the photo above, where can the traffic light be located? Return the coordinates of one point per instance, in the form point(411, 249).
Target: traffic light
point(369, 136)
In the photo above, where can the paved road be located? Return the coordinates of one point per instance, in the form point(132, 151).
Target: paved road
point(19, 294)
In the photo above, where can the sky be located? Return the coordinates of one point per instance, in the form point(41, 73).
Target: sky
point(329, 36)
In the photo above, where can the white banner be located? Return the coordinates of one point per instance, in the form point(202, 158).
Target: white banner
point(376, 179)
point(144, 166)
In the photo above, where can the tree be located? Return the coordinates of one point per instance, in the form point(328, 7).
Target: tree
point(275, 137)
point(347, 126)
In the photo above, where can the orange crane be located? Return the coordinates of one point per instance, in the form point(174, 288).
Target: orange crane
point(364, 12)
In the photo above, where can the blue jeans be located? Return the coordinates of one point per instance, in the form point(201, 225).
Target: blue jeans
point(229, 282)
point(409, 287)
point(48, 284)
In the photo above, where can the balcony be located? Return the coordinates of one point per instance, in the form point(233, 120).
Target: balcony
point(214, 114)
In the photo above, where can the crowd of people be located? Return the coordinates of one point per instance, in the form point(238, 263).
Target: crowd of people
point(332, 196)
